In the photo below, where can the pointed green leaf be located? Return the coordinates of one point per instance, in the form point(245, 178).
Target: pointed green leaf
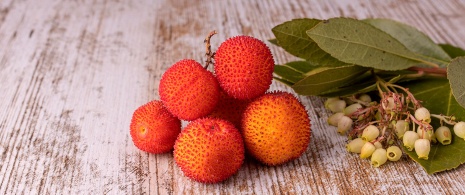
point(437, 97)
point(452, 50)
point(455, 73)
point(356, 42)
point(293, 71)
point(292, 37)
point(274, 41)
point(413, 39)
point(323, 79)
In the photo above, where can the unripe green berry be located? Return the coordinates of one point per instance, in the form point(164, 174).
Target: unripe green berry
point(422, 114)
point(400, 127)
point(409, 139)
point(351, 109)
point(379, 157)
point(390, 142)
point(394, 153)
point(344, 124)
point(378, 145)
point(422, 148)
point(459, 129)
point(365, 98)
point(443, 135)
point(334, 119)
point(337, 105)
point(370, 133)
point(390, 105)
point(367, 150)
point(378, 116)
point(355, 145)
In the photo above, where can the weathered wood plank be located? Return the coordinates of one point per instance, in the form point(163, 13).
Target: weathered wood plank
point(72, 73)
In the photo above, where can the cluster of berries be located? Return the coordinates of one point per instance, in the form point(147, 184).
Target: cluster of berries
point(378, 130)
point(229, 113)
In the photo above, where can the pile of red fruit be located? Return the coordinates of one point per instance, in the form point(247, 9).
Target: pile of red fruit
point(229, 112)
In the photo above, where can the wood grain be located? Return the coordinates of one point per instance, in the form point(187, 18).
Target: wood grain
point(72, 73)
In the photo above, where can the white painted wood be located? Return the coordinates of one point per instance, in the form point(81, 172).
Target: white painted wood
point(72, 73)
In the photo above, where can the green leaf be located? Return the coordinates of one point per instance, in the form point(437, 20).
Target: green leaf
point(356, 42)
point(288, 74)
point(286, 82)
point(350, 90)
point(292, 37)
point(413, 39)
point(452, 50)
point(323, 79)
point(274, 41)
point(302, 66)
point(365, 83)
point(293, 71)
point(437, 97)
point(455, 73)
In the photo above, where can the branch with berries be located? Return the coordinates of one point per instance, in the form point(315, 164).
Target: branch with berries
point(387, 126)
point(384, 81)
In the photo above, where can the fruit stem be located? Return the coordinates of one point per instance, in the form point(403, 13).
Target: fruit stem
point(208, 49)
point(447, 119)
point(439, 72)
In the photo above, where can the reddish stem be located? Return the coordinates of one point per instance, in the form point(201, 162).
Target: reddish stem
point(439, 71)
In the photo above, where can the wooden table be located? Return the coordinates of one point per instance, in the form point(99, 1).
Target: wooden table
point(73, 72)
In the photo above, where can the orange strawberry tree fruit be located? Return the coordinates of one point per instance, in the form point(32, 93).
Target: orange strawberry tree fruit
point(229, 113)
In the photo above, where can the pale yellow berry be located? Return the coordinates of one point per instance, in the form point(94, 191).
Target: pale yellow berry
point(459, 129)
point(365, 98)
point(423, 133)
point(352, 108)
point(337, 106)
point(367, 150)
point(378, 145)
point(443, 135)
point(379, 157)
point(432, 136)
point(334, 119)
point(370, 133)
point(355, 145)
point(422, 114)
point(344, 124)
point(400, 127)
point(409, 139)
point(422, 148)
point(390, 105)
point(394, 153)
point(330, 100)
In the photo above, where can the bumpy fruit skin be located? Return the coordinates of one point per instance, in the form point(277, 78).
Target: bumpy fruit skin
point(230, 109)
point(209, 150)
point(276, 128)
point(153, 129)
point(244, 67)
point(188, 90)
